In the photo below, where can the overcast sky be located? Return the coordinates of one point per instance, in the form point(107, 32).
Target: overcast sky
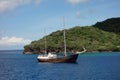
point(22, 21)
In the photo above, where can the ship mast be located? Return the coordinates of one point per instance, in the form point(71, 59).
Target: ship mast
point(64, 37)
point(45, 42)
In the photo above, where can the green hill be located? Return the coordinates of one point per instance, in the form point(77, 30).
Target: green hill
point(96, 38)
point(110, 25)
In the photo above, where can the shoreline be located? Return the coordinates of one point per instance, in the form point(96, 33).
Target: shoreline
point(28, 52)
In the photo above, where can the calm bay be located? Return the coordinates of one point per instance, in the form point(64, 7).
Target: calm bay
point(90, 66)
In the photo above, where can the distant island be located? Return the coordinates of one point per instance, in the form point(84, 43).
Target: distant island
point(102, 36)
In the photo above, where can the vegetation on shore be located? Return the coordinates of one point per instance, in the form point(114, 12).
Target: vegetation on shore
point(103, 36)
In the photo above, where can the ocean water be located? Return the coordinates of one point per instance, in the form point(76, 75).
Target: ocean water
point(91, 66)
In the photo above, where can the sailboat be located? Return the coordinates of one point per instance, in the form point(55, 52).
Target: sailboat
point(53, 58)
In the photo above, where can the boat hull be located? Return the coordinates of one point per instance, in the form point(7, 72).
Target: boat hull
point(65, 59)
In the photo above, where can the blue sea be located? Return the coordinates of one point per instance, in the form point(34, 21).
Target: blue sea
point(90, 66)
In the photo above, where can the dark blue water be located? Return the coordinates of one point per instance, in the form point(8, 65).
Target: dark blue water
point(94, 66)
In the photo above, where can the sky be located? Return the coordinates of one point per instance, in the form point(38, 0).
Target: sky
point(23, 21)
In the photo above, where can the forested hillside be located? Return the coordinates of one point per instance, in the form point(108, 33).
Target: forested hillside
point(110, 25)
point(103, 36)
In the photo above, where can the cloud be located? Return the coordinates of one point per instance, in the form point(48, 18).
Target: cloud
point(13, 41)
point(78, 13)
point(38, 1)
point(77, 1)
point(8, 5)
